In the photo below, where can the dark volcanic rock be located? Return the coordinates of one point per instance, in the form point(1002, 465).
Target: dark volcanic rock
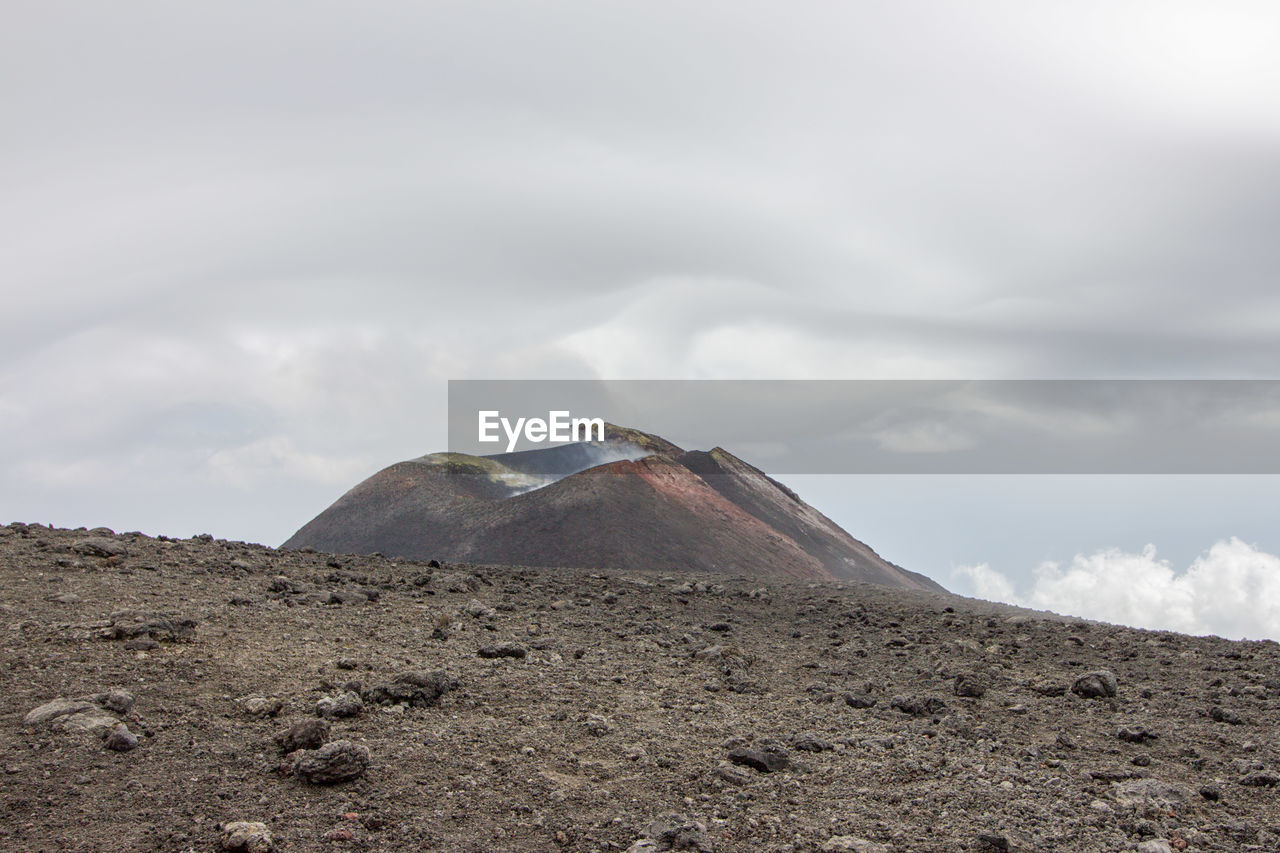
point(334, 762)
point(341, 707)
point(1225, 715)
point(417, 689)
point(1100, 684)
point(505, 650)
point(1136, 734)
point(920, 706)
point(133, 624)
point(859, 700)
point(970, 686)
point(121, 739)
point(98, 546)
point(766, 759)
point(810, 742)
point(305, 734)
point(678, 832)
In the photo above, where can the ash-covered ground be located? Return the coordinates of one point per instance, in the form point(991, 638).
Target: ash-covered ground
point(208, 695)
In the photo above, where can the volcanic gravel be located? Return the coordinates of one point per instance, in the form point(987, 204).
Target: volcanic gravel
point(203, 695)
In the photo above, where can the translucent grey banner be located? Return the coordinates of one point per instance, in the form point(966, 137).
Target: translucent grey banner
point(899, 426)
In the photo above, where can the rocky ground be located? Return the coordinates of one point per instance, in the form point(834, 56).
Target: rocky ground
point(209, 695)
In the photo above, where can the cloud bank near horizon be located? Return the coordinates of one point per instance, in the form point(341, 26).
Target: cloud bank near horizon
point(1231, 590)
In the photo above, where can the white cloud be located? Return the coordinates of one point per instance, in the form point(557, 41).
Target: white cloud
point(1232, 590)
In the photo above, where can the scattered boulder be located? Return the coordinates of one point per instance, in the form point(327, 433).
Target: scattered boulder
point(970, 686)
point(1152, 793)
point(1100, 684)
point(810, 742)
point(92, 717)
point(478, 610)
point(305, 734)
point(678, 832)
point(1260, 779)
point(597, 726)
point(1225, 715)
point(1154, 845)
point(734, 775)
point(244, 836)
point(50, 711)
point(1136, 734)
point(709, 653)
point(918, 706)
point(768, 758)
point(132, 624)
point(334, 762)
point(852, 843)
point(859, 699)
point(99, 546)
point(121, 739)
point(349, 704)
point(416, 689)
point(117, 700)
point(261, 706)
point(505, 650)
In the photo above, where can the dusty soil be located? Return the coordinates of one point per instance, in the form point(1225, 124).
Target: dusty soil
point(633, 692)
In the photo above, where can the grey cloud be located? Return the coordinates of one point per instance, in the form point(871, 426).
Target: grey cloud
point(388, 194)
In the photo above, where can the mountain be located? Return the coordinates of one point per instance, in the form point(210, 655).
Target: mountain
point(633, 501)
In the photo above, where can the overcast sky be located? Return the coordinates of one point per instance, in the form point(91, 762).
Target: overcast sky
point(244, 245)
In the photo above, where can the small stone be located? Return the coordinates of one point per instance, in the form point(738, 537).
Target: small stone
point(1224, 715)
point(347, 705)
point(726, 772)
point(679, 832)
point(306, 734)
point(121, 739)
point(414, 688)
point(766, 760)
point(244, 836)
point(135, 624)
point(118, 700)
point(917, 705)
point(99, 546)
point(597, 725)
point(859, 700)
point(1155, 845)
point(478, 610)
point(810, 742)
point(334, 762)
point(50, 711)
point(1099, 684)
point(1212, 793)
point(852, 843)
point(1136, 734)
point(1260, 779)
point(261, 706)
point(709, 653)
point(505, 650)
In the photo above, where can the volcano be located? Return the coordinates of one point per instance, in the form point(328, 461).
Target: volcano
point(632, 501)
